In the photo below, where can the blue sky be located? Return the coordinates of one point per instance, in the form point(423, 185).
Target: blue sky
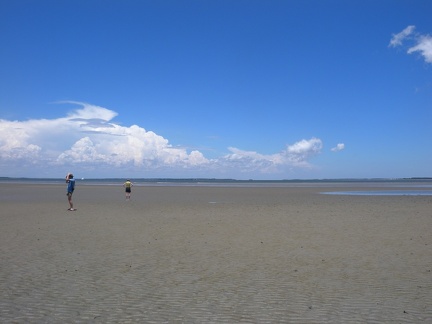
point(225, 89)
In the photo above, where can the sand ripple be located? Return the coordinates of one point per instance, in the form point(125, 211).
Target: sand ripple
point(320, 260)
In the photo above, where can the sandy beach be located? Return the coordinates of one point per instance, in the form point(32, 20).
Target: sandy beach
point(213, 255)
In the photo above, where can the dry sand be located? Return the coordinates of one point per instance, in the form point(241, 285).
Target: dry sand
point(213, 255)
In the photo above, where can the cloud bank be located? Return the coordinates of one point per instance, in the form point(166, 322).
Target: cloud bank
point(88, 139)
point(419, 43)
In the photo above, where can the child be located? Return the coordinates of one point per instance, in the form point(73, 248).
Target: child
point(128, 185)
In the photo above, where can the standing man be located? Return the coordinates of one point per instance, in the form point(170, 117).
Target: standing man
point(70, 189)
point(128, 185)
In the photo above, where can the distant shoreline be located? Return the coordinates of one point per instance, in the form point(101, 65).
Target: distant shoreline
point(228, 179)
point(212, 182)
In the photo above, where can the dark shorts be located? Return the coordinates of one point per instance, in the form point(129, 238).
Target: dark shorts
point(128, 189)
point(69, 194)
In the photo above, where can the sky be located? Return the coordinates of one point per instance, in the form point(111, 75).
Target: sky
point(245, 89)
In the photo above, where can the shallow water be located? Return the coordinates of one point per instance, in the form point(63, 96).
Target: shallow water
point(382, 193)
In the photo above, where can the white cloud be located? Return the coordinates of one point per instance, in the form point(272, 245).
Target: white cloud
point(338, 147)
point(305, 147)
point(421, 43)
point(89, 139)
point(296, 155)
point(424, 46)
point(397, 39)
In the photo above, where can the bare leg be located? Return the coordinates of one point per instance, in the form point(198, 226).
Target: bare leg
point(70, 201)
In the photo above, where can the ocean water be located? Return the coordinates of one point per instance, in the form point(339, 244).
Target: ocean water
point(376, 187)
point(382, 193)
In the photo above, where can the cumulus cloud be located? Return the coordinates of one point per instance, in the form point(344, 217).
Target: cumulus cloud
point(88, 137)
point(338, 147)
point(418, 42)
point(296, 155)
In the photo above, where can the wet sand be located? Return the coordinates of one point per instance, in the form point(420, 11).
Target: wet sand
point(213, 255)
